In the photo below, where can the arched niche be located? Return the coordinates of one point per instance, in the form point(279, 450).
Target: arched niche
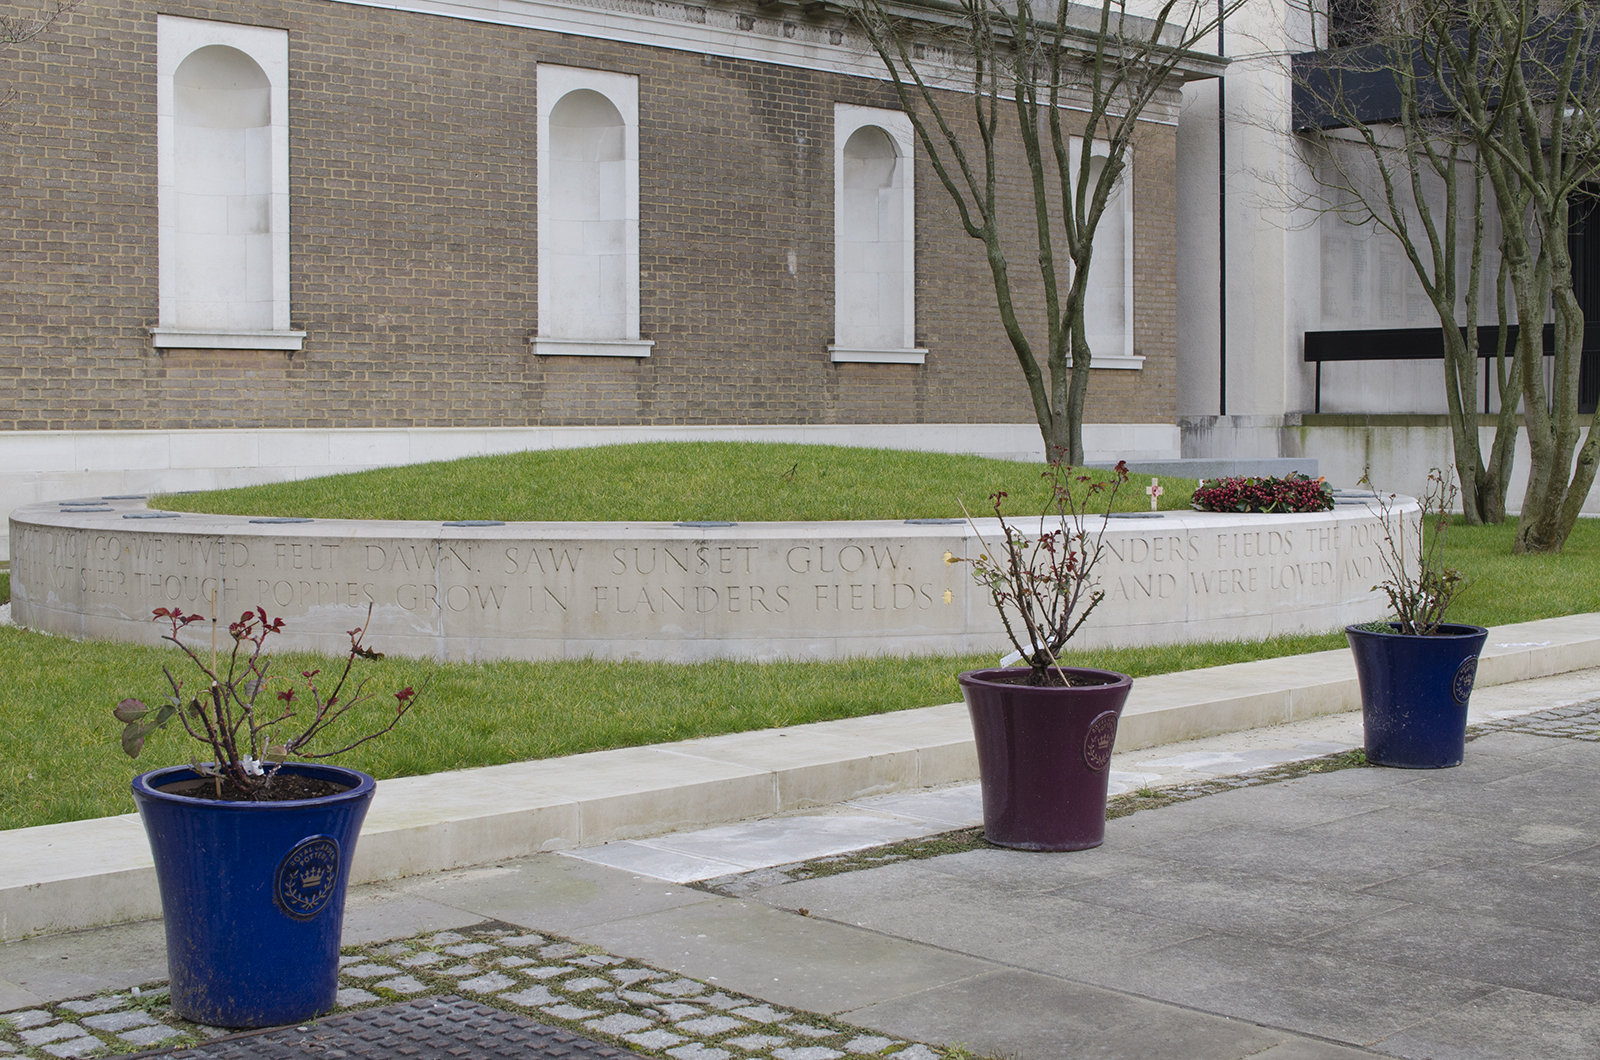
point(871, 266)
point(222, 187)
point(1105, 310)
point(222, 141)
point(588, 214)
point(874, 238)
point(584, 272)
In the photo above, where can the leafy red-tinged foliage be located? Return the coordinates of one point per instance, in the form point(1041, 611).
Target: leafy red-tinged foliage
point(1293, 493)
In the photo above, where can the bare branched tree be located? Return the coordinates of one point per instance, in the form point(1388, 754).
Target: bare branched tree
point(1105, 62)
point(1506, 92)
point(1525, 76)
point(1408, 167)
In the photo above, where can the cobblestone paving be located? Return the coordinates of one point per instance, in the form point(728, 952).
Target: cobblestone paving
point(555, 981)
point(1580, 721)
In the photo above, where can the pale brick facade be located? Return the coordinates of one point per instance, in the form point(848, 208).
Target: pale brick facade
point(414, 247)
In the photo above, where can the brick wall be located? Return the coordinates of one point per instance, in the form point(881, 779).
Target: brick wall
point(414, 250)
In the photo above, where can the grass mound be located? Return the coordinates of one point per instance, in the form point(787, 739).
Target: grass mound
point(666, 482)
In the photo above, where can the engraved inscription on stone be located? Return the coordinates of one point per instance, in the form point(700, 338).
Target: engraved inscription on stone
point(543, 591)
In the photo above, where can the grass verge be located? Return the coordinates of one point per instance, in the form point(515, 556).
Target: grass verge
point(62, 762)
point(1503, 588)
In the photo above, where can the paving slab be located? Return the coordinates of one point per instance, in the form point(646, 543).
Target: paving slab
point(1236, 903)
point(1539, 894)
point(1301, 855)
point(703, 854)
point(1542, 958)
point(1501, 1025)
point(1310, 1049)
point(73, 964)
point(712, 852)
point(376, 913)
point(553, 893)
point(993, 918)
point(818, 965)
point(1320, 994)
point(1020, 1014)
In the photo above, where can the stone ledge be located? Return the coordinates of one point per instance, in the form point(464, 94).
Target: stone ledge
point(63, 877)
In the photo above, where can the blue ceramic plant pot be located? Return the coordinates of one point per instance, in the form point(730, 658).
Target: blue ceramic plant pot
point(253, 895)
point(1414, 693)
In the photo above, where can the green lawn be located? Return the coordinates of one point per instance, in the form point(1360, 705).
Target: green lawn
point(1505, 588)
point(666, 482)
point(61, 761)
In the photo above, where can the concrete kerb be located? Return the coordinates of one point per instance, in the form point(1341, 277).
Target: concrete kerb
point(86, 873)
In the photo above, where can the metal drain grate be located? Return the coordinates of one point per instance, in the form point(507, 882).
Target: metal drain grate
point(448, 1028)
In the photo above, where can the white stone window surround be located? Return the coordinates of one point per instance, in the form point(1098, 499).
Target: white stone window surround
point(177, 39)
point(1108, 314)
point(556, 336)
point(847, 121)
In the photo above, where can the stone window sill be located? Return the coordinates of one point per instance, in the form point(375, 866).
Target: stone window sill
point(1128, 361)
point(190, 339)
point(846, 355)
point(591, 347)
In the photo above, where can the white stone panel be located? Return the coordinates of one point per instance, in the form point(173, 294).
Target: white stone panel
point(213, 449)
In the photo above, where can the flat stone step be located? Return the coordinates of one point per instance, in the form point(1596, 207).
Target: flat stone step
point(69, 876)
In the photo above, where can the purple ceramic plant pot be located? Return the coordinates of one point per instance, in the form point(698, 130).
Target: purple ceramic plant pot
point(1044, 755)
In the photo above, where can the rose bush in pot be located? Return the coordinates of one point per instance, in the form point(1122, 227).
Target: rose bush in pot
point(1415, 669)
point(1044, 731)
point(252, 851)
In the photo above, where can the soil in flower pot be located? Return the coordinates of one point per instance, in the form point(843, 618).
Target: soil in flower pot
point(284, 788)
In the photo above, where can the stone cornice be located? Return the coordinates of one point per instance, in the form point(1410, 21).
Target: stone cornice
point(808, 34)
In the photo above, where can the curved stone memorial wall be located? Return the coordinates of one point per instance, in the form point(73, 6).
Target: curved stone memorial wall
point(96, 568)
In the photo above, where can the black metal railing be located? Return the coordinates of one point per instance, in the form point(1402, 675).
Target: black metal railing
point(1427, 344)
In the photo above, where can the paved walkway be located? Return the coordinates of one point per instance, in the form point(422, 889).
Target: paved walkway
point(1339, 913)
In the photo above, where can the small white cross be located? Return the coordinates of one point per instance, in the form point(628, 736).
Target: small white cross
point(1154, 491)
